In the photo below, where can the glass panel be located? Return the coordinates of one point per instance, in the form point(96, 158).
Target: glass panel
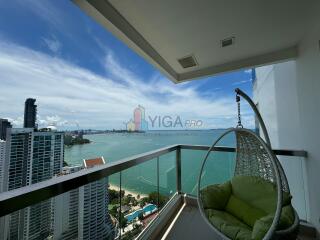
point(167, 177)
point(190, 169)
point(83, 213)
point(217, 171)
point(139, 204)
point(219, 168)
point(294, 170)
point(191, 161)
point(114, 201)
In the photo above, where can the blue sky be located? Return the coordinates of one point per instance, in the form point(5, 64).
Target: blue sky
point(82, 75)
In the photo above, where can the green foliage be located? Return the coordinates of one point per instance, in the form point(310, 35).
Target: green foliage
point(134, 202)
point(114, 211)
point(70, 140)
point(123, 221)
point(114, 196)
point(153, 198)
point(140, 216)
point(143, 201)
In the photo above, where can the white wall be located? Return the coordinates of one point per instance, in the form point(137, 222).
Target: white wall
point(275, 92)
point(264, 96)
point(308, 92)
point(295, 120)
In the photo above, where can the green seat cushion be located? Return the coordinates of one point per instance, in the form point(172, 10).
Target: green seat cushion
point(244, 211)
point(243, 208)
point(244, 234)
point(257, 192)
point(229, 225)
point(218, 218)
point(216, 196)
point(262, 225)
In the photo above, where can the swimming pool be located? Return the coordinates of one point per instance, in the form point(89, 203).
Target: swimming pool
point(148, 209)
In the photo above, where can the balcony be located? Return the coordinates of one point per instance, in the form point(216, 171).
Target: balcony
point(174, 214)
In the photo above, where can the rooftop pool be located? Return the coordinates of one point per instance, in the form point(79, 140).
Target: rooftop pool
point(146, 210)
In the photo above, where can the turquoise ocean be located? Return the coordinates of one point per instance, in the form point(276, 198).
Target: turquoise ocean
point(143, 177)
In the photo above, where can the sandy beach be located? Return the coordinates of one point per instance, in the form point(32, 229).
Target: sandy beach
point(134, 194)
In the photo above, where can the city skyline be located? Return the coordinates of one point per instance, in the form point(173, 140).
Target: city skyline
point(30, 155)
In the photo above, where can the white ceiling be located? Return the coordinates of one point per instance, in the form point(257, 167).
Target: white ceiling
point(162, 31)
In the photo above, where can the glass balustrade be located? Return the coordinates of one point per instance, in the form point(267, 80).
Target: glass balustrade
point(124, 197)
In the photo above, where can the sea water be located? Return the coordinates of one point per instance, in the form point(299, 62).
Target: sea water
point(143, 178)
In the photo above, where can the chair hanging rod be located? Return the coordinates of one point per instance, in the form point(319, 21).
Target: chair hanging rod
point(254, 108)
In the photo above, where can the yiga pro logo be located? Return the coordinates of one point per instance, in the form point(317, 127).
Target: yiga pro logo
point(139, 122)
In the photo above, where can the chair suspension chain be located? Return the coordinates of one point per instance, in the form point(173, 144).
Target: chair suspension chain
point(239, 125)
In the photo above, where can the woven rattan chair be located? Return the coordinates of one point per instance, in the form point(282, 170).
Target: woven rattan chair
point(254, 159)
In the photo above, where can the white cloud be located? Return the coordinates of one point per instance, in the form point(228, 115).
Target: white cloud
point(45, 10)
point(16, 122)
point(53, 120)
point(241, 82)
point(68, 95)
point(249, 71)
point(52, 43)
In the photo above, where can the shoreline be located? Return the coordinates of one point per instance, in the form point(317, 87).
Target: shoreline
point(126, 192)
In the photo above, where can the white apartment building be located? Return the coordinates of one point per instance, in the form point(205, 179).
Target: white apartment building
point(32, 157)
point(83, 213)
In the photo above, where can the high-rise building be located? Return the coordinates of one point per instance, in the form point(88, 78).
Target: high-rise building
point(83, 213)
point(4, 125)
point(2, 160)
point(30, 113)
point(17, 167)
point(67, 216)
point(31, 157)
point(96, 219)
point(48, 155)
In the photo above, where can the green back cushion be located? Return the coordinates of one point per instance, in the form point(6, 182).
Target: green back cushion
point(243, 211)
point(216, 196)
point(257, 192)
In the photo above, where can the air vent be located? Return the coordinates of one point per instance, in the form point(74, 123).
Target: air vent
point(227, 42)
point(188, 61)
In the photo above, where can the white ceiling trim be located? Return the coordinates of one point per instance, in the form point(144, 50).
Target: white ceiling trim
point(105, 14)
point(260, 60)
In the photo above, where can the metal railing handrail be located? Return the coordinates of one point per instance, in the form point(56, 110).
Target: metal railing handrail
point(20, 198)
point(279, 152)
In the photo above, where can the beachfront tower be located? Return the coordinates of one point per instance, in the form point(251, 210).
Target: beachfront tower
point(31, 157)
point(4, 125)
point(83, 213)
point(2, 160)
point(30, 113)
point(96, 200)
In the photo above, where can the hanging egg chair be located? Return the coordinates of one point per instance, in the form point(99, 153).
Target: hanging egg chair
point(256, 202)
